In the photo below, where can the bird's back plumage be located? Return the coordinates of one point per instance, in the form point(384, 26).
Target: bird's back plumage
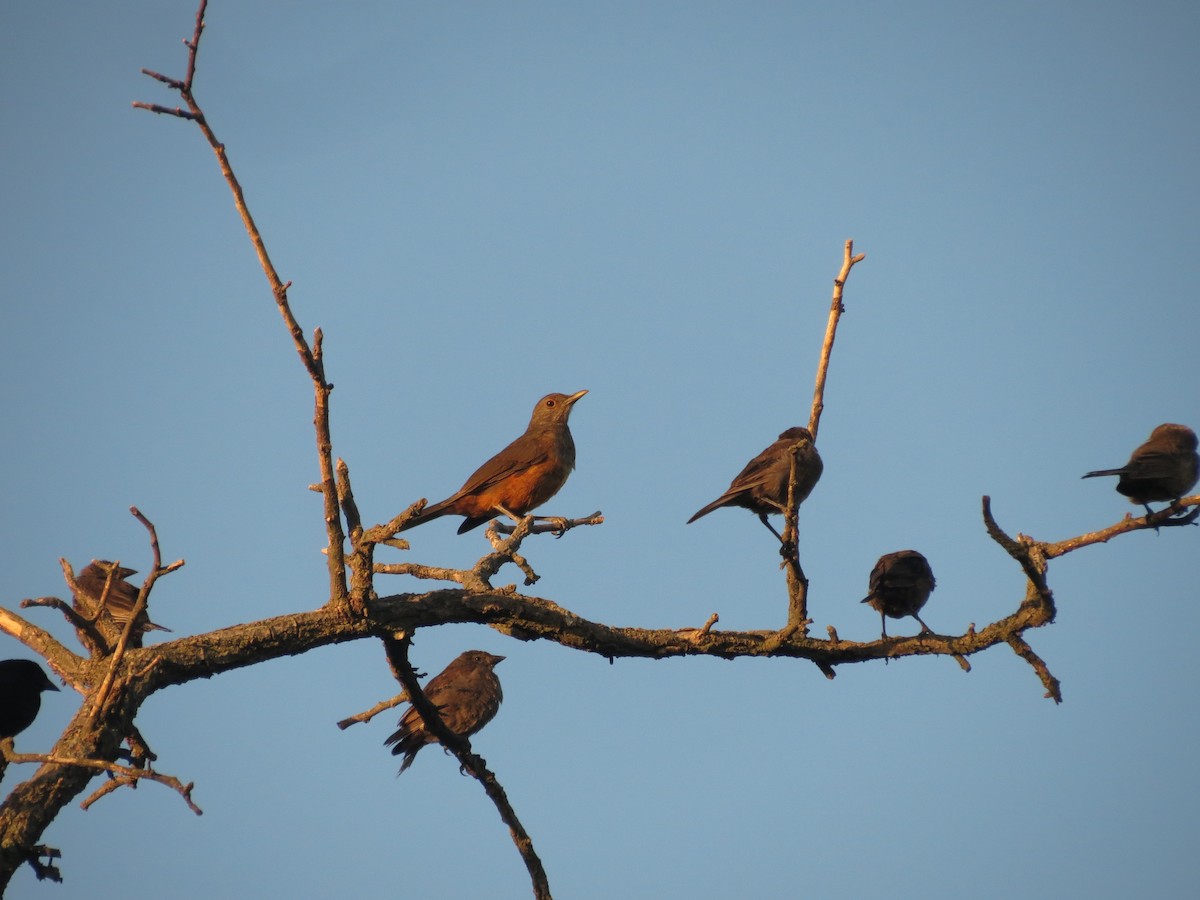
point(1164, 468)
point(467, 695)
point(900, 585)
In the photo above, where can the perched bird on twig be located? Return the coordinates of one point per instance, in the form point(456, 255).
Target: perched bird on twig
point(1164, 468)
point(467, 696)
point(900, 584)
point(519, 478)
point(118, 604)
point(21, 684)
point(762, 486)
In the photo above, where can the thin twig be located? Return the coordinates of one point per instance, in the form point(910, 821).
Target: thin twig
point(127, 774)
point(1168, 516)
point(849, 260)
point(553, 524)
point(311, 357)
point(368, 715)
point(139, 607)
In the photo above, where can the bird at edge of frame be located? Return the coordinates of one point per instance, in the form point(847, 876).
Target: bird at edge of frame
point(467, 695)
point(521, 477)
point(22, 682)
point(762, 485)
point(1163, 469)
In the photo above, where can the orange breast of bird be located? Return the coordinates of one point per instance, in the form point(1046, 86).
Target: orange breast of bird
point(521, 477)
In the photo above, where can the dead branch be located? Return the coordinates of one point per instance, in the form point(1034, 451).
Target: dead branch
point(127, 774)
point(1174, 515)
point(311, 357)
point(156, 570)
point(397, 652)
point(849, 260)
point(368, 715)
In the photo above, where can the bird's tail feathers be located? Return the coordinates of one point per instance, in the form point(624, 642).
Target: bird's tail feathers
point(704, 511)
point(427, 514)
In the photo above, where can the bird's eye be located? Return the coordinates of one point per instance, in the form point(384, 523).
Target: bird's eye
point(551, 403)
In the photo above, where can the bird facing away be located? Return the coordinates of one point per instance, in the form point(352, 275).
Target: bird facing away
point(1164, 468)
point(762, 486)
point(519, 478)
point(21, 684)
point(900, 584)
point(467, 696)
point(122, 596)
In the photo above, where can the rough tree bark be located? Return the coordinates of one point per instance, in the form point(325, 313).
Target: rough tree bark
point(114, 686)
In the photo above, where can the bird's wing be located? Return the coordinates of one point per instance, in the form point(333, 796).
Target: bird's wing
point(756, 474)
point(1152, 463)
point(521, 454)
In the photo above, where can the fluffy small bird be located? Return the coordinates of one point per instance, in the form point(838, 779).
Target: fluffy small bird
point(21, 684)
point(519, 478)
point(467, 695)
point(1164, 468)
point(122, 596)
point(762, 485)
point(900, 584)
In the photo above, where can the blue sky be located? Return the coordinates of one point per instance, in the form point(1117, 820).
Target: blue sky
point(482, 203)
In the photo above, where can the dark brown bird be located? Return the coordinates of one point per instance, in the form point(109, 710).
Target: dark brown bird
point(519, 478)
point(21, 684)
point(1164, 468)
point(467, 695)
point(900, 584)
point(122, 596)
point(762, 486)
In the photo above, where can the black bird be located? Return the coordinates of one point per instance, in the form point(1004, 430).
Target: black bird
point(1164, 468)
point(900, 584)
point(122, 596)
point(467, 695)
point(21, 684)
point(762, 486)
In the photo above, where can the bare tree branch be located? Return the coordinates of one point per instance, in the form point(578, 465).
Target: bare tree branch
point(397, 652)
point(849, 260)
point(311, 357)
point(114, 686)
point(128, 774)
